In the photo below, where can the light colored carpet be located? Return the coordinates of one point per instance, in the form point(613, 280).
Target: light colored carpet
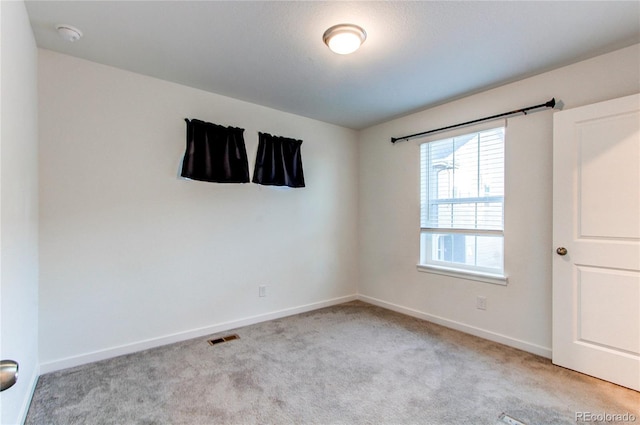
point(349, 364)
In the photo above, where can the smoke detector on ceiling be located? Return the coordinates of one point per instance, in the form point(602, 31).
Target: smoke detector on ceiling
point(69, 33)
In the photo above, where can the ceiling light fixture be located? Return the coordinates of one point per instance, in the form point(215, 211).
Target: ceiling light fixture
point(344, 38)
point(69, 33)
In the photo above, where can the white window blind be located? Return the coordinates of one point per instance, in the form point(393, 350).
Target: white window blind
point(462, 201)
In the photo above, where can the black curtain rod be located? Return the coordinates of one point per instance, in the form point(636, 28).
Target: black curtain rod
point(549, 104)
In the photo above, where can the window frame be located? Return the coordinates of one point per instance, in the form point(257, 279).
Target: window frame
point(456, 269)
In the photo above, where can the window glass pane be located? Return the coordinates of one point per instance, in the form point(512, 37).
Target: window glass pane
point(464, 216)
point(489, 251)
point(475, 252)
point(462, 188)
point(462, 181)
point(442, 214)
point(465, 171)
point(489, 215)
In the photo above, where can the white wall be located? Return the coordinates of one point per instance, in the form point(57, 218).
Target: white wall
point(19, 208)
point(132, 256)
point(518, 314)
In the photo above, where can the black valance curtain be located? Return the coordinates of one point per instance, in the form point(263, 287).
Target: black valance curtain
point(278, 161)
point(215, 153)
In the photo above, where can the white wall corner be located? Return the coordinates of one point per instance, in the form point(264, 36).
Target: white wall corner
point(31, 388)
point(68, 362)
point(462, 327)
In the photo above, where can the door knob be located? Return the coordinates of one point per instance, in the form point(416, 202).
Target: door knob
point(8, 374)
point(561, 251)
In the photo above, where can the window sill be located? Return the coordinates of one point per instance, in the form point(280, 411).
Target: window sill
point(465, 274)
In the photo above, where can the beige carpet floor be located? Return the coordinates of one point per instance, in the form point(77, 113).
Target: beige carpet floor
point(348, 364)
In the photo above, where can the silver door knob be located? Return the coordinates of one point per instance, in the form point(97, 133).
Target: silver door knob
point(561, 251)
point(8, 374)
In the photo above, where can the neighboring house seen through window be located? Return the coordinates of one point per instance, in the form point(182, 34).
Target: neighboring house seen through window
point(462, 203)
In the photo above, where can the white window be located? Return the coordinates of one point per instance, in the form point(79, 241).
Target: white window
point(462, 203)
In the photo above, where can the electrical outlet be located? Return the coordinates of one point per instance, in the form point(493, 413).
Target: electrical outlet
point(262, 291)
point(481, 303)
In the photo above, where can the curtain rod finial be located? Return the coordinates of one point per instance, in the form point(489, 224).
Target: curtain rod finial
point(559, 105)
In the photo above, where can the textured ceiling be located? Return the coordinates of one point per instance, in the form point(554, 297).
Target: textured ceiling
point(417, 54)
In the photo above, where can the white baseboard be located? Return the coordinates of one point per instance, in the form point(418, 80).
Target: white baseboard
point(24, 409)
point(482, 333)
point(108, 353)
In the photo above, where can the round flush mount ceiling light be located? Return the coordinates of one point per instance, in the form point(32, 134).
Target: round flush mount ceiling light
point(344, 38)
point(69, 33)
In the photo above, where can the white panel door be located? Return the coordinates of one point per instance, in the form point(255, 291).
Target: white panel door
point(596, 225)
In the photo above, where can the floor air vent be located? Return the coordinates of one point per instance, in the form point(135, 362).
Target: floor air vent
point(509, 420)
point(223, 339)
